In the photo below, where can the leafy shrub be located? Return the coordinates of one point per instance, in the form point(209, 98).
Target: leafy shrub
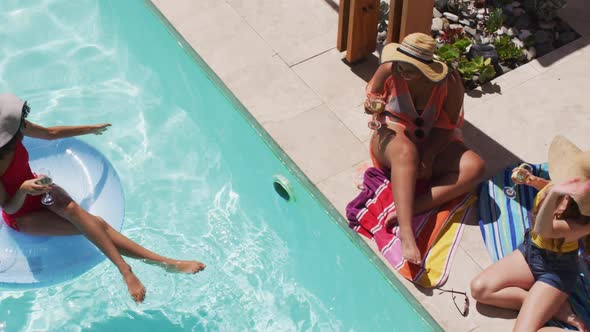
point(507, 50)
point(495, 20)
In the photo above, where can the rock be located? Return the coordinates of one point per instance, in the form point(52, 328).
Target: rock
point(508, 9)
point(542, 37)
point(451, 16)
point(437, 24)
point(445, 23)
point(523, 22)
point(436, 13)
point(504, 70)
point(441, 5)
point(455, 26)
point(500, 32)
point(470, 31)
point(485, 40)
point(480, 16)
point(566, 37)
point(469, 13)
point(544, 48)
point(511, 32)
point(524, 34)
point(518, 12)
point(518, 43)
point(562, 26)
point(466, 22)
point(381, 36)
point(547, 25)
point(530, 53)
point(481, 11)
point(485, 50)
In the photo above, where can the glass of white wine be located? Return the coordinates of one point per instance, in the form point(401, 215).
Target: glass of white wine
point(521, 173)
point(46, 180)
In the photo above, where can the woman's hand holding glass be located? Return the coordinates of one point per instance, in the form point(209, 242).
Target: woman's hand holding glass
point(34, 188)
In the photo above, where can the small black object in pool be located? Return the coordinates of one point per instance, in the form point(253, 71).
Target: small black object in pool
point(281, 189)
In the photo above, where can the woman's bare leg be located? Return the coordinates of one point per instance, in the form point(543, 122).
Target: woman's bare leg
point(541, 304)
point(66, 217)
point(494, 286)
point(401, 156)
point(46, 222)
point(456, 170)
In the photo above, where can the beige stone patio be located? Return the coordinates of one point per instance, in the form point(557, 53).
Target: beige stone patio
point(279, 58)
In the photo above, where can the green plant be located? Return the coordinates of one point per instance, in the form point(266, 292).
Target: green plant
point(467, 68)
point(477, 65)
point(485, 68)
point(495, 20)
point(462, 44)
point(507, 50)
point(448, 53)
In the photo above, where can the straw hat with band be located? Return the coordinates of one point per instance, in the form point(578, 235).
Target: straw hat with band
point(12, 112)
point(417, 49)
point(567, 162)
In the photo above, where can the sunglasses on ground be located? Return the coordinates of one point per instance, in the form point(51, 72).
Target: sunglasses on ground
point(465, 310)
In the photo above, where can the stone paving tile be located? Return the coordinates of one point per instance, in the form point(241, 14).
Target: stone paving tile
point(318, 142)
point(221, 37)
point(341, 188)
point(272, 91)
point(297, 30)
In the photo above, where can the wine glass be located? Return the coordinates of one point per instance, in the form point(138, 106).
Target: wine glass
point(523, 172)
point(47, 199)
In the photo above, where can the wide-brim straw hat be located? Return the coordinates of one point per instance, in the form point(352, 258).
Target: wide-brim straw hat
point(11, 115)
point(567, 162)
point(417, 49)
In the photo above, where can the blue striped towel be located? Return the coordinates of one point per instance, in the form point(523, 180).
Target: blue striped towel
point(503, 222)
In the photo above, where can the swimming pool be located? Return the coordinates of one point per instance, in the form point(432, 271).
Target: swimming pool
point(197, 175)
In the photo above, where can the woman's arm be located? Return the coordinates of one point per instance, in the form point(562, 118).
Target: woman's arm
point(549, 227)
point(377, 82)
point(12, 204)
point(51, 133)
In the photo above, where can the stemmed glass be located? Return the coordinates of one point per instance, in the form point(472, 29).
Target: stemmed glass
point(47, 199)
point(522, 174)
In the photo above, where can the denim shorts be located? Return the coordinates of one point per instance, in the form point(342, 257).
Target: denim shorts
point(559, 270)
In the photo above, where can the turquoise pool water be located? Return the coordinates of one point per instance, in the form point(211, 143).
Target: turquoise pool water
point(198, 179)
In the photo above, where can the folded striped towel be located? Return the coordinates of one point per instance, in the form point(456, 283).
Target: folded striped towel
point(437, 231)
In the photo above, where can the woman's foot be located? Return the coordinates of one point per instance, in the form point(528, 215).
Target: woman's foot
point(566, 315)
point(135, 287)
point(185, 266)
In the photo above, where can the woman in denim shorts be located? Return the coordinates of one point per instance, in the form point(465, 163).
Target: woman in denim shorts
point(537, 278)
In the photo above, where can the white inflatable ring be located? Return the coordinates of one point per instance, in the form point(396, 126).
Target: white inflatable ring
point(90, 179)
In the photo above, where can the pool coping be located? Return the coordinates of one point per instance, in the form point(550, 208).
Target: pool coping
point(298, 173)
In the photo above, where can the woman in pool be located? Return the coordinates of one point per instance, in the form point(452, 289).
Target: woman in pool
point(21, 192)
point(417, 108)
point(544, 269)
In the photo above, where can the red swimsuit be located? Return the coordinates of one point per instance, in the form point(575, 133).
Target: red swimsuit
point(18, 172)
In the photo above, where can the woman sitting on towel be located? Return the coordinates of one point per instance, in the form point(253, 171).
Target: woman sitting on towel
point(21, 190)
point(417, 108)
point(538, 277)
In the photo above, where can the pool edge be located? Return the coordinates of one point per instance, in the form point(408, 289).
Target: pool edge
point(297, 172)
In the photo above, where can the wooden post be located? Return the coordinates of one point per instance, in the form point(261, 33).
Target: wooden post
point(362, 29)
point(395, 20)
point(408, 16)
point(343, 17)
point(416, 17)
